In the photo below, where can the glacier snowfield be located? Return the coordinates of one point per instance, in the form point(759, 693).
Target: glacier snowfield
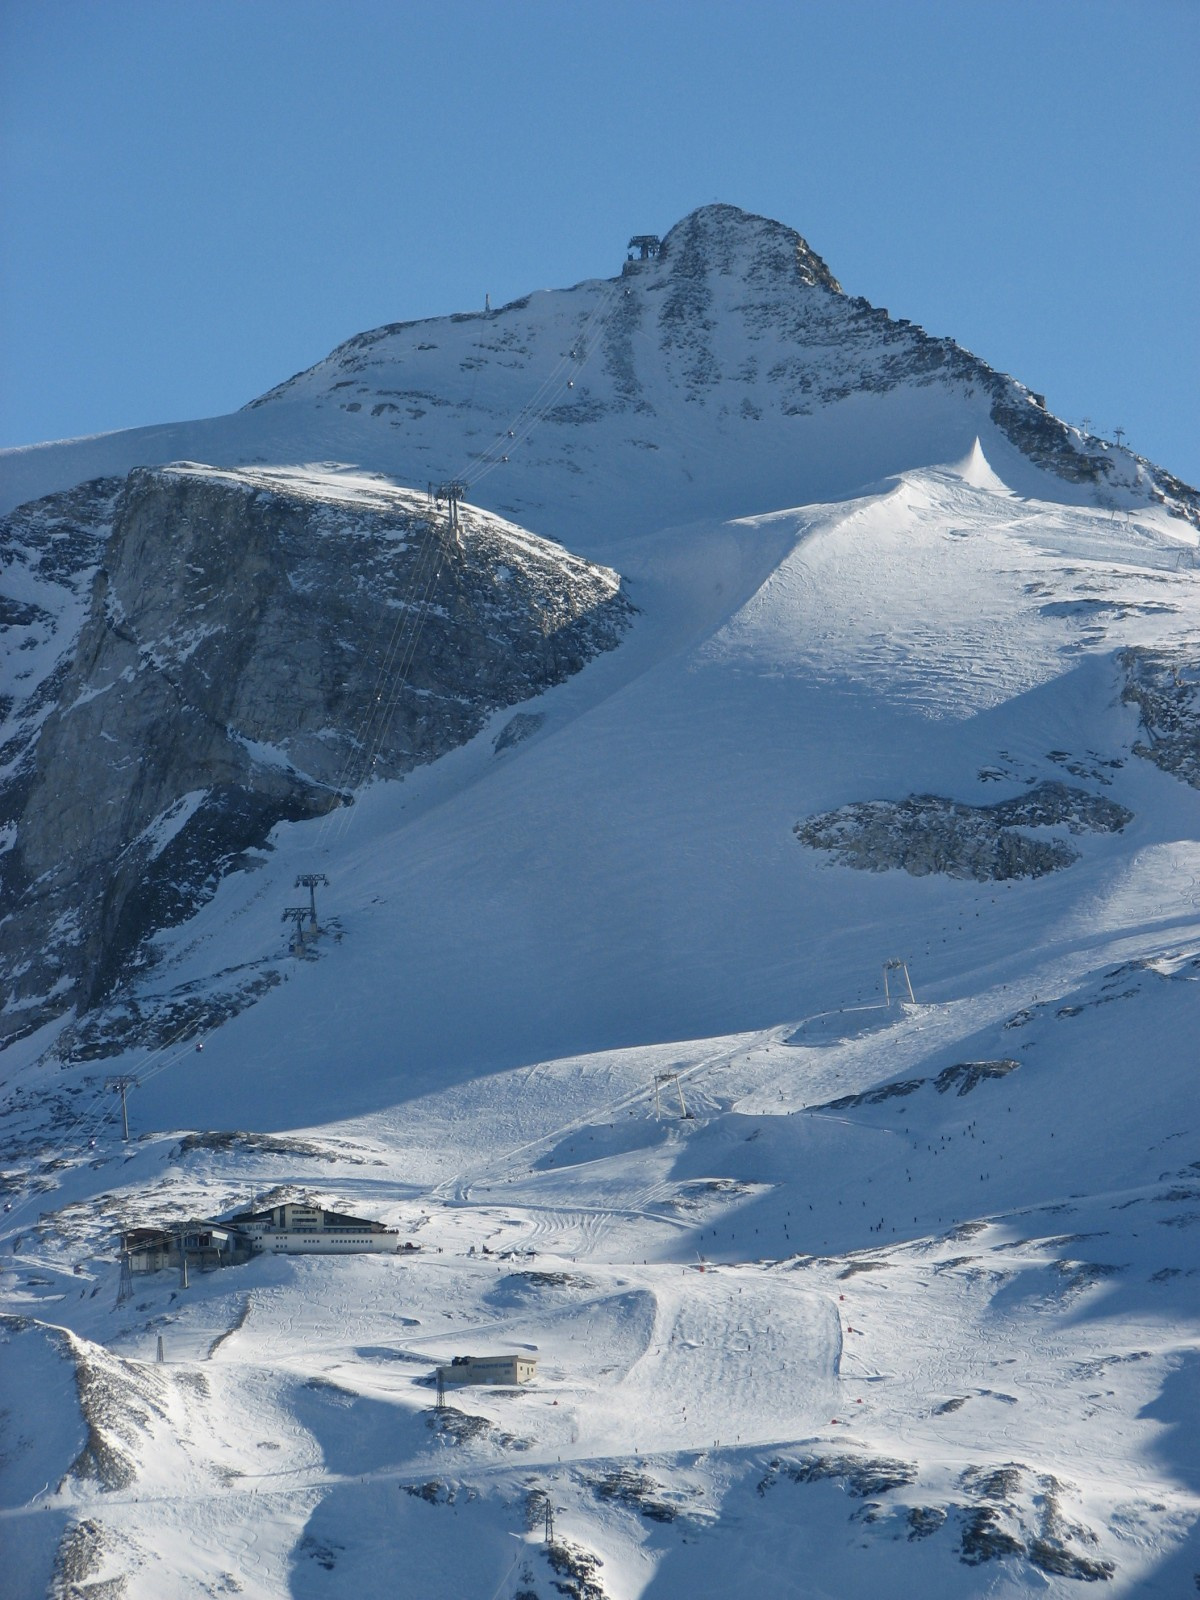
point(938, 1341)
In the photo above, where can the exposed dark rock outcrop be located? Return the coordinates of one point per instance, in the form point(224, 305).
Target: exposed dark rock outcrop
point(925, 1520)
point(963, 1076)
point(80, 1556)
point(927, 833)
point(872, 1097)
point(255, 647)
point(49, 552)
point(638, 1491)
point(1165, 687)
point(577, 1571)
point(859, 1475)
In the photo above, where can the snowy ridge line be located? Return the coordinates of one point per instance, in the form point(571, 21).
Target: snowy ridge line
point(760, 348)
point(991, 1292)
point(522, 425)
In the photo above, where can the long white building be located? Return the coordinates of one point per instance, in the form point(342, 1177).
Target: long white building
point(489, 1370)
point(294, 1228)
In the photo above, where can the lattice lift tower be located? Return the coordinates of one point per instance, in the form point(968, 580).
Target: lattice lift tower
point(309, 881)
point(122, 1086)
point(663, 1079)
point(450, 494)
point(298, 915)
point(648, 245)
point(896, 965)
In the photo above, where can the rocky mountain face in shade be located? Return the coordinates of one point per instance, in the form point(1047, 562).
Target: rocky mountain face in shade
point(784, 1028)
point(253, 650)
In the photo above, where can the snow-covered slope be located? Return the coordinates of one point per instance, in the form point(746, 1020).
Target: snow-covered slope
point(906, 1304)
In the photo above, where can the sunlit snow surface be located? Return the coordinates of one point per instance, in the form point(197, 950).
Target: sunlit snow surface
point(924, 1325)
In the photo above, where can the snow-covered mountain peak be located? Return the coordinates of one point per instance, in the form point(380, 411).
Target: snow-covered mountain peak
point(725, 374)
point(844, 665)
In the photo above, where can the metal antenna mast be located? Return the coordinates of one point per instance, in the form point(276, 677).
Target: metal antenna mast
point(122, 1085)
point(309, 881)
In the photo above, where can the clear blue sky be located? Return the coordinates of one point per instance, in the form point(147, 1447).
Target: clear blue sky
point(201, 197)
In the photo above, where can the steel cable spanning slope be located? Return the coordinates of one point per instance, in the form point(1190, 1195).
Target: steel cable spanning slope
point(390, 685)
point(367, 738)
point(96, 1115)
point(548, 392)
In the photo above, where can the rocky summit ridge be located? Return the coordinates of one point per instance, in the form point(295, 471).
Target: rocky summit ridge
point(728, 374)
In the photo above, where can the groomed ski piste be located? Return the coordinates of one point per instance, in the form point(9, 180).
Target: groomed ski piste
point(905, 1304)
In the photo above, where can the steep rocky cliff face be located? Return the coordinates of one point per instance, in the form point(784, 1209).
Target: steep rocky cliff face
point(49, 552)
point(256, 646)
point(246, 617)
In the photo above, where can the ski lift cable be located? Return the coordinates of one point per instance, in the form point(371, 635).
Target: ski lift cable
point(98, 1112)
point(546, 391)
point(363, 744)
point(407, 658)
point(361, 738)
point(386, 710)
point(523, 426)
point(549, 390)
point(400, 655)
point(373, 724)
point(400, 650)
point(406, 631)
point(361, 735)
point(383, 722)
point(101, 1093)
